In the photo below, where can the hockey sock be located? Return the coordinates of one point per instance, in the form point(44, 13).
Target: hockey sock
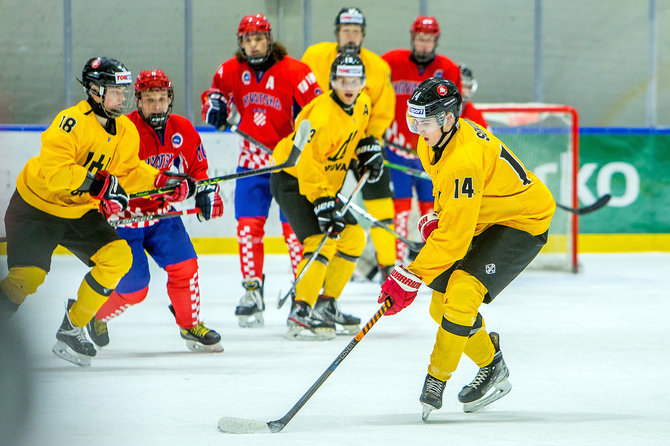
point(184, 292)
point(250, 232)
point(21, 282)
point(382, 210)
point(479, 348)
point(460, 303)
point(425, 207)
point(90, 297)
point(338, 273)
point(294, 247)
point(310, 285)
point(118, 303)
point(403, 207)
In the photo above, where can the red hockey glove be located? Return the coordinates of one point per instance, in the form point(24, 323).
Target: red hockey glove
point(370, 158)
point(209, 201)
point(402, 287)
point(214, 109)
point(427, 224)
point(105, 187)
point(183, 184)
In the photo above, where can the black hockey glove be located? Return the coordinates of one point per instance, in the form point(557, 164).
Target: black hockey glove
point(105, 187)
point(370, 158)
point(329, 216)
point(209, 201)
point(214, 109)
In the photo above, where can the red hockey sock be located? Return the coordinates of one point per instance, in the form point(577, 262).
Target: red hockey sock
point(425, 207)
point(118, 303)
point(403, 207)
point(184, 292)
point(250, 232)
point(294, 247)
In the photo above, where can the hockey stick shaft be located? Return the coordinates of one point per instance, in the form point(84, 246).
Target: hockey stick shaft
point(395, 145)
point(599, 204)
point(149, 217)
point(314, 255)
point(301, 137)
point(414, 246)
point(408, 170)
point(278, 425)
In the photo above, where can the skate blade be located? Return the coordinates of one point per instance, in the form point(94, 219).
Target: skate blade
point(499, 390)
point(425, 411)
point(298, 333)
point(251, 321)
point(63, 351)
point(348, 330)
point(198, 347)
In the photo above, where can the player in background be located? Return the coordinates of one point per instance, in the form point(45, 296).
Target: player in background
point(307, 193)
point(408, 69)
point(468, 90)
point(168, 142)
point(378, 197)
point(268, 88)
point(87, 161)
point(490, 221)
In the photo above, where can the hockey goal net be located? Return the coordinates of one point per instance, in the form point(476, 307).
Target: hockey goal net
point(546, 139)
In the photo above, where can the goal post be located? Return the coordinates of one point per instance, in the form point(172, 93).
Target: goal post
point(545, 137)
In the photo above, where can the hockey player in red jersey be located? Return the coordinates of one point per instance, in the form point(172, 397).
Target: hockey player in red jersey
point(408, 69)
point(469, 88)
point(268, 88)
point(168, 142)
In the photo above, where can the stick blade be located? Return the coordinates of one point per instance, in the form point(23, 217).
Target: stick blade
point(302, 134)
point(232, 425)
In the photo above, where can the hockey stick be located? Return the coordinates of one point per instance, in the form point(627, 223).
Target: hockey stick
point(242, 426)
point(414, 246)
point(600, 203)
point(408, 170)
point(399, 147)
point(312, 258)
point(148, 217)
point(301, 136)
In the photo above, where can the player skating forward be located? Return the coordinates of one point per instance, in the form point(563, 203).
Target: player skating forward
point(491, 219)
point(88, 152)
point(469, 89)
point(378, 198)
point(307, 194)
point(408, 69)
point(268, 88)
point(168, 142)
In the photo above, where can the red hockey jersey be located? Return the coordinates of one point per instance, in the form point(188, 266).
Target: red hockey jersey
point(268, 106)
point(473, 114)
point(405, 77)
point(180, 151)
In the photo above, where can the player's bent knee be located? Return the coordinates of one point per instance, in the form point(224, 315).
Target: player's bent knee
point(135, 297)
point(313, 241)
point(21, 282)
point(112, 262)
point(352, 241)
point(464, 295)
point(182, 271)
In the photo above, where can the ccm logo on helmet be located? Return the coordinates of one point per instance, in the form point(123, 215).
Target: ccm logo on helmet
point(123, 77)
point(442, 90)
point(417, 112)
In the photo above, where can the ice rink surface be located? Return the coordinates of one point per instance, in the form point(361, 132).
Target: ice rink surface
point(588, 356)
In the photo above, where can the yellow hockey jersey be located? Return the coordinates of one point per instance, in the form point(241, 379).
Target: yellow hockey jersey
point(477, 182)
point(332, 145)
point(378, 85)
point(75, 143)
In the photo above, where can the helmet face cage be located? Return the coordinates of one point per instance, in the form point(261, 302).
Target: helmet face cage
point(105, 72)
point(255, 24)
point(424, 25)
point(468, 82)
point(433, 98)
point(349, 16)
point(347, 71)
point(154, 80)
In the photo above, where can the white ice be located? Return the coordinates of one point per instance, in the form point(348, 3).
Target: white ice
point(588, 356)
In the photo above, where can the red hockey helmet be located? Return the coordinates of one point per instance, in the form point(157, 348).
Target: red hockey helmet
point(154, 80)
point(254, 24)
point(425, 24)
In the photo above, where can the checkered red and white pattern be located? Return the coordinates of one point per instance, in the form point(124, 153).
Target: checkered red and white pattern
point(250, 240)
point(294, 247)
point(252, 157)
point(194, 288)
point(401, 222)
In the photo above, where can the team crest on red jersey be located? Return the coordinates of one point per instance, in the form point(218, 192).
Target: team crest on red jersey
point(177, 140)
point(439, 73)
point(246, 77)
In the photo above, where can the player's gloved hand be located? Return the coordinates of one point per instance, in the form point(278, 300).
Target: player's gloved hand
point(370, 158)
point(105, 187)
point(427, 224)
point(402, 287)
point(184, 186)
point(209, 201)
point(214, 109)
point(329, 216)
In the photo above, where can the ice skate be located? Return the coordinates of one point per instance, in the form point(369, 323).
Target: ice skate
point(201, 339)
point(305, 324)
point(249, 311)
point(328, 310)
point(431, 395)
point(97, 331)
point(489, 385)
point(72, 344)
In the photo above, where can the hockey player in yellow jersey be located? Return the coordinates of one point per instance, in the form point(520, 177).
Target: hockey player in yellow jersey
point(307, 195)
point(88, 159)
point(490, 221)
point(378, 198)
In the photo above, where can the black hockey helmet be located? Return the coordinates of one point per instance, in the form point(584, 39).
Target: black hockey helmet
point(347, 65)
point(434, 97)
point(105, 72)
